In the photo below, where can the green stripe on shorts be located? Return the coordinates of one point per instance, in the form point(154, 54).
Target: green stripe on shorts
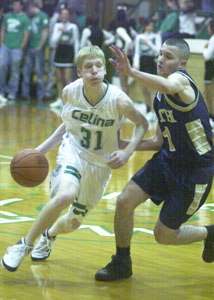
point(73, 171)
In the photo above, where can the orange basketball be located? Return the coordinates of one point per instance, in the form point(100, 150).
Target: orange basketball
point(29, 167)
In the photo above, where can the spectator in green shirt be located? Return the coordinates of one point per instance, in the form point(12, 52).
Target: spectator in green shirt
point(14, 37)
point(169, 24)
point(35, 54)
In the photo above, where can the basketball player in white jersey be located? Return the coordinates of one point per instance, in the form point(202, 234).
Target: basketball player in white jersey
point(91, 119)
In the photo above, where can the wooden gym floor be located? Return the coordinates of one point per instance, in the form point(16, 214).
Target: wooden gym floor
point(160, 272)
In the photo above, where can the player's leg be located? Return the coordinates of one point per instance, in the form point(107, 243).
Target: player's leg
point(186, 234)
point(128, 200)
point(121, 266)
point(147, 181)
point(65, 224)
point(169, 229)
point(88, 198)
point(65, 195)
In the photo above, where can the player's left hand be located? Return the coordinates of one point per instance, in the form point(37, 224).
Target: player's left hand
point(117, 159)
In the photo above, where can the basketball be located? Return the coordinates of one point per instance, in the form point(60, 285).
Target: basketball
point(29, 167)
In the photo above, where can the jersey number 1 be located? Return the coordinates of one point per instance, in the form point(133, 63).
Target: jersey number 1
point(166, 134)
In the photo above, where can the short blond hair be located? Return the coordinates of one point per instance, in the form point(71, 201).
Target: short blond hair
point(89, 52)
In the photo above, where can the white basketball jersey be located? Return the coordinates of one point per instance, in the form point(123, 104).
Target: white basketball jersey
point(92, 128)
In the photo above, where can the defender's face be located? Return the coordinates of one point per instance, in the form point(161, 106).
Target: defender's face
point(168, 60)
point(92, 71)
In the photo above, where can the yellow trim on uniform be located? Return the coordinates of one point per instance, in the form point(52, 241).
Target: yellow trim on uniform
point(199, 192)
point(198, 137)
point(182, 108)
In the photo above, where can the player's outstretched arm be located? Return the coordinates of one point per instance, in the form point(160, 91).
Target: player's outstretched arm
point(175, 83)
point(52, 141)
point(153, 143)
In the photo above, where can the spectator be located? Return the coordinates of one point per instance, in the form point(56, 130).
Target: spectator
point(147, 47)
point(169, 25)
point(51, 76)
point(75, 8)
point(93, 35)
point(66, 40)
point(120, 27)
point(187, 19)
point(35, 54)
point(209, 72)
point(14, 37)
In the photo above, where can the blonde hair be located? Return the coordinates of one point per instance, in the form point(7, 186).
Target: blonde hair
point(89, 52)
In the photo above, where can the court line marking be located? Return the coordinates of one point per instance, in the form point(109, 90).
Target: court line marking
point(4, 156)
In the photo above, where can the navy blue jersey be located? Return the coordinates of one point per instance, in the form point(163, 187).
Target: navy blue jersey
point(187, 134)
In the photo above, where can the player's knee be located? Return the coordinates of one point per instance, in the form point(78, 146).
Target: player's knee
point(63, 200)
point(161, 237)
point(124, 204)
point(73, 223)
point(158, 237)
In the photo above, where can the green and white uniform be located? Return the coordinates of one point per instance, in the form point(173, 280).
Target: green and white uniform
point(90, 138)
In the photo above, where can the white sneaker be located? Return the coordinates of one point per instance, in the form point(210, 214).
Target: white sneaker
point(43, 248)
point(14, 255)
point(3, 99)
point(58, 103)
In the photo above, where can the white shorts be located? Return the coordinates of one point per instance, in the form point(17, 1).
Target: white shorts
point(91, 179)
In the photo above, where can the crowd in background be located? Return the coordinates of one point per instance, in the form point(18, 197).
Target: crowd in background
point(42, 38)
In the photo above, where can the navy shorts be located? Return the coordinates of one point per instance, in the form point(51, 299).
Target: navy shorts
point(183, 190)
point(209, 71)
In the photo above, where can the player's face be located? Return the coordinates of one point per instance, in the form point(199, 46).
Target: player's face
point(168, 60)
point(93, 71)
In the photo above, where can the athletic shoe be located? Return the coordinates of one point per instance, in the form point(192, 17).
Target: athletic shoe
point(14, 255)
point(43, 248)
point(58, 103)
point(118, 268)
point(3, 99)
point(208, 252)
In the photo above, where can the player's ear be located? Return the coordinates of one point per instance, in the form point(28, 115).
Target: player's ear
point(79, 72)
point(183, 63)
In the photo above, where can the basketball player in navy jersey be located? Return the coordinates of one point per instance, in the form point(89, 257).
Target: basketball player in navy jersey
point(180, 173)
